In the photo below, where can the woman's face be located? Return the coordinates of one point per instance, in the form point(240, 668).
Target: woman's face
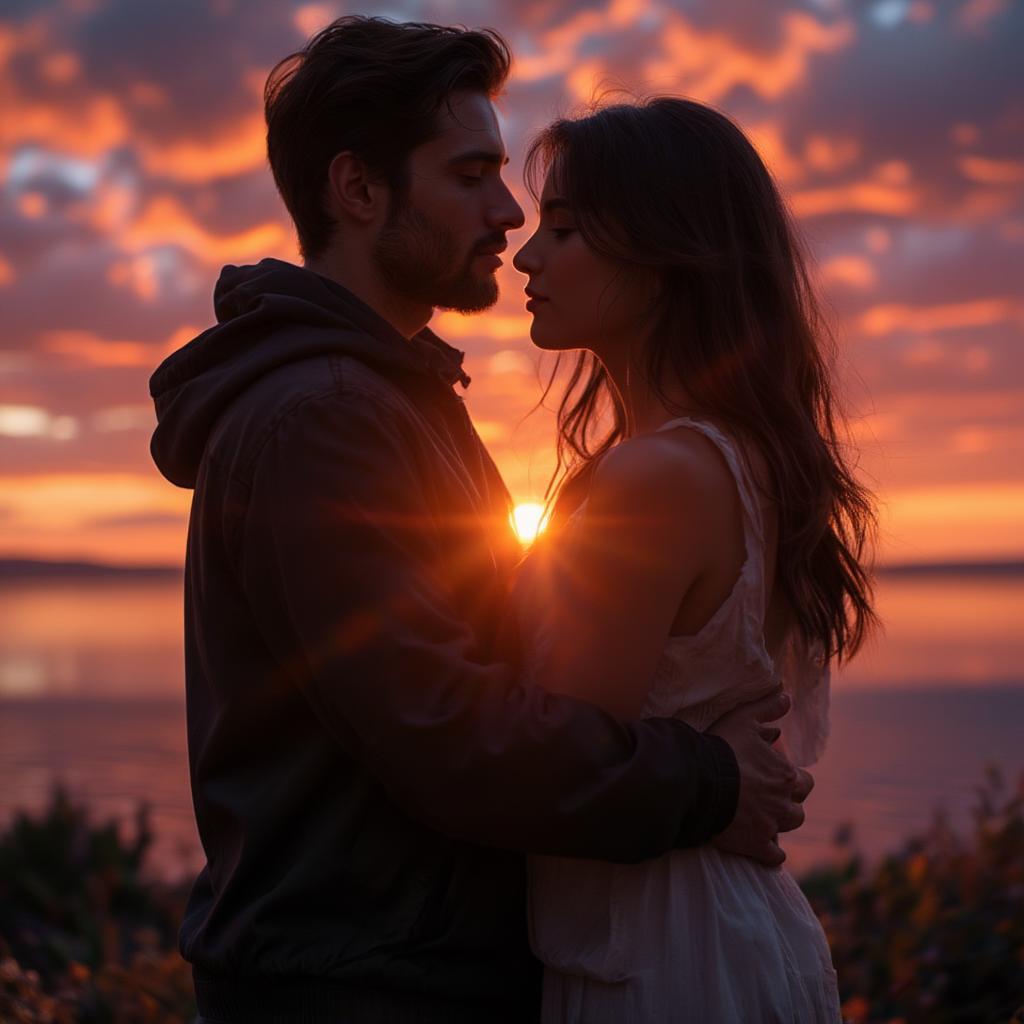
point(578, 297)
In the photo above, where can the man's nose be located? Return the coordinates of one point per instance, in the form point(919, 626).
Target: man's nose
point(506, 213)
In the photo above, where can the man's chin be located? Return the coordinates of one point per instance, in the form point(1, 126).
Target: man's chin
point(474, 299)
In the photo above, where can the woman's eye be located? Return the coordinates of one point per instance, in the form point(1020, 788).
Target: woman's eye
point(471, 179)
point(561, 232)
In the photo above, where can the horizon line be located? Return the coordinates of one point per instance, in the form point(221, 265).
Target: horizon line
point(22, 567)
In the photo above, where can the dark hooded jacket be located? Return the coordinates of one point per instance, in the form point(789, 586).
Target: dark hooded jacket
point(367, 773)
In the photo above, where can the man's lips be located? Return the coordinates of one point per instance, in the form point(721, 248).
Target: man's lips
point(490, 254)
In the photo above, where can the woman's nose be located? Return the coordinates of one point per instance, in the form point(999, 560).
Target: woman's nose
point(525, 261)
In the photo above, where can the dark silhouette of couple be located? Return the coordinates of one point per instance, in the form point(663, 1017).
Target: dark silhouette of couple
point(436, 780)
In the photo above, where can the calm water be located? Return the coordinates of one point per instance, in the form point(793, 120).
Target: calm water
point(91, 693)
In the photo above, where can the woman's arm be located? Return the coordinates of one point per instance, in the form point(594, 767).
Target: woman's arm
point(659, 523)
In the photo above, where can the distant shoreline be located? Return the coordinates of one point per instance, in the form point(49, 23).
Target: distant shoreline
point(36, 569)
point(17, 569)
point(1007, 568)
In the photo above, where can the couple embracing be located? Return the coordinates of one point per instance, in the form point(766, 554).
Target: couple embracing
point(436, 781)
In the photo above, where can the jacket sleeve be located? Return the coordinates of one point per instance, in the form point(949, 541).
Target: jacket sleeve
point(338, 561)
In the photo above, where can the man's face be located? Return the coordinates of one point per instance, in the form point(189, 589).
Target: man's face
point(440, 243)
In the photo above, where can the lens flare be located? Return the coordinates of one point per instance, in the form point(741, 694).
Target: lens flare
point(528, 520)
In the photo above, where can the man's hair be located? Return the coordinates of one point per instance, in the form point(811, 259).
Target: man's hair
point(374, 87)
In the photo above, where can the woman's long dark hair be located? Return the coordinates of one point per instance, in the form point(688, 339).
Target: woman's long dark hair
point(671, 186)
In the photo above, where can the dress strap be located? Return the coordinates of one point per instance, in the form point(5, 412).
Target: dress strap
point(753, 519)
point(803, 668)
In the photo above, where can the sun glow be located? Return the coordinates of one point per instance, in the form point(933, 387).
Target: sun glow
point(528, 520)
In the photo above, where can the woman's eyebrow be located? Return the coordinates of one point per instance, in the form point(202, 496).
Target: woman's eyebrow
point(551, 205)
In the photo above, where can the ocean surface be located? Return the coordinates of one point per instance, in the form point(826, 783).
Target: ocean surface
point(91, 695)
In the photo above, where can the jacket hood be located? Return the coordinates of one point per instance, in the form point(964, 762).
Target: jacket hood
point(269, 315)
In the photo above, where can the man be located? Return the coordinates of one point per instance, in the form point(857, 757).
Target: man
point(367, 773)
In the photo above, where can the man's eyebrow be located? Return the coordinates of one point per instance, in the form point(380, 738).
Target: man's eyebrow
point(486, 156)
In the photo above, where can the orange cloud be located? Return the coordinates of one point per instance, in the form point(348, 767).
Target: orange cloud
point(949, 316)
point(992, 172)
point(587, 79)
point(85, 347)
point(90, 349)
point(821, 153)
point(831, 155)
point(557, 48)
point(32, 205)
point(855, 197)
point(985, 203)
point(61, 68)
point(16, 38)
point(969, 405)
point(87, 128)
point(238, 149)
point(707, 64)
point(974, 360)
point(767, 138)
point(111, 205)
point(165, 221)
point(711, 64)
point(138, 274)
point(894, 172)
point(310, 18)
point(854, 271)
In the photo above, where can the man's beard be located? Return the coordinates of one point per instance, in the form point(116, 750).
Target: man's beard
point(418, 258)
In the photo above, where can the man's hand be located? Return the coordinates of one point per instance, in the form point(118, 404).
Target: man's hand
point(772, 789)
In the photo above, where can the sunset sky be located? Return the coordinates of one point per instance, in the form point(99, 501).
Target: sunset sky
point(132, 166)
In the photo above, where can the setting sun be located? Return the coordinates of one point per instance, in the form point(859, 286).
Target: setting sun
point(528, 520)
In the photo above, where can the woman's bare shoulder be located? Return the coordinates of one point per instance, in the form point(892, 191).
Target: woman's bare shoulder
point(674, 470)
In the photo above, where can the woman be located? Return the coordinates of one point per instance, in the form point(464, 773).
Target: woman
point(712, 531)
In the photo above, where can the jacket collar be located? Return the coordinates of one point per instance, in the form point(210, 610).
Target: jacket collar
point(425, 352)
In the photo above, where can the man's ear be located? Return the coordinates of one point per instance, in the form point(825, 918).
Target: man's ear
point(352, 192)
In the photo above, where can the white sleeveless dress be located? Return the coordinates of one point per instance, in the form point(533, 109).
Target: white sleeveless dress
point(695, 936)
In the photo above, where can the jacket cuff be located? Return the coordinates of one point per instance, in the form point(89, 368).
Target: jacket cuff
point(718, 792)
